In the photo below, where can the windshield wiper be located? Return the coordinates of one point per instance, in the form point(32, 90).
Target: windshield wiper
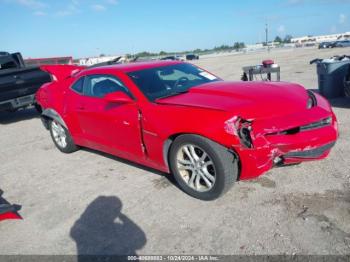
point(172, 94)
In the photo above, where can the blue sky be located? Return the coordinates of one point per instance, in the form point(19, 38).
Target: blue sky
point(39, 28)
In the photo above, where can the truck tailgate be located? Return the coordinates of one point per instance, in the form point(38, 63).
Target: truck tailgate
point(16, 83)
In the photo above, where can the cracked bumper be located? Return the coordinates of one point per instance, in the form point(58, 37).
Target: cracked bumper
point(276, 148)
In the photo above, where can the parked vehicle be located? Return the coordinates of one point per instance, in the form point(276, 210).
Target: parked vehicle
point(347, 83)
point(8, 211)
point(192, 57)
point(180, 119)
point(173, 58)
point(326, 45)
point(344, 43)
point(310, 44)
point(18, 83)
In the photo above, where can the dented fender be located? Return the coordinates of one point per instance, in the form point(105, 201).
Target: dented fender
point(52, 114)
point(286, 140)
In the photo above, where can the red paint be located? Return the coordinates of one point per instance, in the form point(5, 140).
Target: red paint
point(9, 215)
point(60, 72)
point(120, 128)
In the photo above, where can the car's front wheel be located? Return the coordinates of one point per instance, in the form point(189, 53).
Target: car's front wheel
point(61, 137)
point(202, 168)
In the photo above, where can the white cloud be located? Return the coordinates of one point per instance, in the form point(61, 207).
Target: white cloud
point(342, 19)
point(98, 8)
point(73, 6)
point(281, 29)
point(33, 4)
point(71, 9)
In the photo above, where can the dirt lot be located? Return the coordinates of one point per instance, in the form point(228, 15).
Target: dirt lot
point(89, 202)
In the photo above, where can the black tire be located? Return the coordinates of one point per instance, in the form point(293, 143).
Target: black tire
point(347, 90)
point(224, 162)
point(38, 108)
point(70, 147)
point(347, 84)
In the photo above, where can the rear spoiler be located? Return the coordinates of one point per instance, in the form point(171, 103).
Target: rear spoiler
point(61, 72)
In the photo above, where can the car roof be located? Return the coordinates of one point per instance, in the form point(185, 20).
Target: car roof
point(135, 66)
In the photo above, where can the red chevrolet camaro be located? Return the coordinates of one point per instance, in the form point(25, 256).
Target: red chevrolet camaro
point(180, 119)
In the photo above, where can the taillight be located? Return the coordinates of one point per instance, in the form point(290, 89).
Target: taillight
point(311, 101)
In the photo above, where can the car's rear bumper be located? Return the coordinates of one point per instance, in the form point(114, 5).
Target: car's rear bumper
point(20, 102)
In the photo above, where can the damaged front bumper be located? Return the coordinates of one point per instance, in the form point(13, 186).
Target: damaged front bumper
point(287, 140)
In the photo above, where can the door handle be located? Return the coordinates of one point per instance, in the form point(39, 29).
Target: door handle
point(80, 108)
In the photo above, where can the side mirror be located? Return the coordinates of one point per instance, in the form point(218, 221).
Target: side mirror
point(118, 97)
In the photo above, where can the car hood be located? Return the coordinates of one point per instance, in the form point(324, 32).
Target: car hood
point(249, 100)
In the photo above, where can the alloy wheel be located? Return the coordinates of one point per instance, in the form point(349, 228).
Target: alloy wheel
point(59, 134)
point(196, 168)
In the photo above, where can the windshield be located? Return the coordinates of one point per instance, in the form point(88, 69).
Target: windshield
point(161, 82)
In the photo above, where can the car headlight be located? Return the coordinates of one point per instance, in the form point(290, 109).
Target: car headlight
point(311, 101)
point(241, 128)
point(244, 135)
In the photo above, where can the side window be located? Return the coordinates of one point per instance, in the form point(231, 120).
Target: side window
point(78, 85)
point(101, 85)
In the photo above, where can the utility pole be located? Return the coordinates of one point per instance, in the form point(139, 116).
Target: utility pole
point(267, 34)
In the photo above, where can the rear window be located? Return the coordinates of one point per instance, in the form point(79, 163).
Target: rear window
point(8, 65)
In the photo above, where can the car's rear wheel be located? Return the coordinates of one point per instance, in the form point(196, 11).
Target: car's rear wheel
point(202, 168)
point(61, 138)
point(347, 84)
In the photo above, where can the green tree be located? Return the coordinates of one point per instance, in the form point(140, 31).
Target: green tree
point(145, 54)
point(238, 46)
point(287, 39)
point(278, 39)
point(222, 48)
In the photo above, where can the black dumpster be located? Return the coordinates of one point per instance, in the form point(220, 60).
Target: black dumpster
point(331, 75)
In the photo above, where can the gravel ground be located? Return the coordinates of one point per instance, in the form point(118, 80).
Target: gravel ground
point(88, 202)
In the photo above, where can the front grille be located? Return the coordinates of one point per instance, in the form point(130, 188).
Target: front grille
point(324, 122)
point(319, 124)
point(313, 153)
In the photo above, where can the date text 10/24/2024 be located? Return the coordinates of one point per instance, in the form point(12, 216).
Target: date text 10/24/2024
point(173, 258)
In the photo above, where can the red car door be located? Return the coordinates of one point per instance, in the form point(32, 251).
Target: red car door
point(111, 127)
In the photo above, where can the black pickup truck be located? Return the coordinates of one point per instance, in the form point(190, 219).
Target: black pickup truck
point(18, 83)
